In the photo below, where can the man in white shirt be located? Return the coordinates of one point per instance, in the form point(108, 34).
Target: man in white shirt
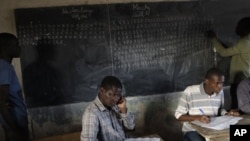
point(200, 102)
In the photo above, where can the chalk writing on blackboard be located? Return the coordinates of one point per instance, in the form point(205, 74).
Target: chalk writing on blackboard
point(77, 13)
point(140, 10)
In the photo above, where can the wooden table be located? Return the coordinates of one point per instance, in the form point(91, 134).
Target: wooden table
point(219, 135)
point(220, 139)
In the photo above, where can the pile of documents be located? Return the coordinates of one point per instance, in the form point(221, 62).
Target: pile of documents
point(219, 123)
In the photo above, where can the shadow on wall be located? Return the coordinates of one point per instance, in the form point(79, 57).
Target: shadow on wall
point(159, 119)
point(155, 115)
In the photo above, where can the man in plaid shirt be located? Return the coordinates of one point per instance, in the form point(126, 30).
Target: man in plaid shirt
point(107, 116)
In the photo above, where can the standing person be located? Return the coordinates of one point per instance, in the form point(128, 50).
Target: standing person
point(107, 116)
point(243, 94)
point(240, 53)
point(200, 102)
point(13, 114)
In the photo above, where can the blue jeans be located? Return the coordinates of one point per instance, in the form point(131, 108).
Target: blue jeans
point(193, 136)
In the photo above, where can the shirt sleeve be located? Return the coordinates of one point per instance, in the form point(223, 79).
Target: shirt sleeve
point(182, 107)
point(90, 126)
point(225, 52)
point(222, 110)
point(128, 120)
point(243, 94)
point(4, 77)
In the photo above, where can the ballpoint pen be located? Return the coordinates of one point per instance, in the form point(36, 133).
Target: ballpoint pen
point(202, 111)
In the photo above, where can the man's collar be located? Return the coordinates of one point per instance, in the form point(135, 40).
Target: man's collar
point(202, 90)
point(100, 106)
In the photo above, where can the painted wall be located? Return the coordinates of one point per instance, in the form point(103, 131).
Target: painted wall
point(154, 114)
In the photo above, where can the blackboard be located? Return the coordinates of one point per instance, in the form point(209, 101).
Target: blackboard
point(154, 48)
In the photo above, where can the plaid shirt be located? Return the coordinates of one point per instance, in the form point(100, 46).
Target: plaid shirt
point(99, 123)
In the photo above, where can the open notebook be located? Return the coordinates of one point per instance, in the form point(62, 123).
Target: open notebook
point(219, 123)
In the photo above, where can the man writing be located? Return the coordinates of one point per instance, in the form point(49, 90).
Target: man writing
point(199, 102)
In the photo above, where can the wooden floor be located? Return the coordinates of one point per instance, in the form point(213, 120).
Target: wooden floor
point(67, 137)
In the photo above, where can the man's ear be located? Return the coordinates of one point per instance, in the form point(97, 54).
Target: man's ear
point(206, 81)
point(101, 90)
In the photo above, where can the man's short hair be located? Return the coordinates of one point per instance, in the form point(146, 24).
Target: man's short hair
point(6, 39)
point(111, 81)
point(214, 71)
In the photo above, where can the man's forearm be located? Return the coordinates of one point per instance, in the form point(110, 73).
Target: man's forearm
point(128, 120)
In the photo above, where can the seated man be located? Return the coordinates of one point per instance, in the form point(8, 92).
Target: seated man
point(199, 102)
point(243, 94)
point(107, 116)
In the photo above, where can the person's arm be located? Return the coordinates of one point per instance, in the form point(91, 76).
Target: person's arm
point(181, 112)
point(221, 48)
point(223, 51)
point(244, 97)
point(201, 118)
point(222, 111)
point(4, 107)
point(127, 118)
point(90, 126)
point(233, 112)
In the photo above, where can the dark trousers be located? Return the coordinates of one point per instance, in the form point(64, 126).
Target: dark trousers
point(193, 136)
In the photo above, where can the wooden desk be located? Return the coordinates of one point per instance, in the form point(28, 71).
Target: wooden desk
point(220, 139)
point(219, 135)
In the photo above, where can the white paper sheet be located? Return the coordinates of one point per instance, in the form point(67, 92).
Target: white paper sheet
point(219, 123)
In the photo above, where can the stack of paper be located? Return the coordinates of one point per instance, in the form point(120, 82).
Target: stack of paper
point(219, 123)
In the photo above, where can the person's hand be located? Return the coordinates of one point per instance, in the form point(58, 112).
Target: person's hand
point(122, 105)
point(204, 119)
point(211, 34)
point(233, 112)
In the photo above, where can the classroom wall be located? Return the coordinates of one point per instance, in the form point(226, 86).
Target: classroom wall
point(154, 114)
